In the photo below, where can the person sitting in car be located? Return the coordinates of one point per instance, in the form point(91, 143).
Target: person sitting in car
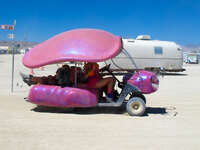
point(61, 78)
point(96, 81)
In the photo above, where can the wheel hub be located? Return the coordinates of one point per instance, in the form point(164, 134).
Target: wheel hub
point(136, 106)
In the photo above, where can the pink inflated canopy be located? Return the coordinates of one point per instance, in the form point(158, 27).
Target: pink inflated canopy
point(88, 45)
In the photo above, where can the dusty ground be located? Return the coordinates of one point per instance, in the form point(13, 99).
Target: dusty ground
point(171, 121)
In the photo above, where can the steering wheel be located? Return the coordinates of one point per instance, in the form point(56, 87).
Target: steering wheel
point(107, 67)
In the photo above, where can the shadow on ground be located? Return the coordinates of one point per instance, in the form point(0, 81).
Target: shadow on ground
point(97, 110)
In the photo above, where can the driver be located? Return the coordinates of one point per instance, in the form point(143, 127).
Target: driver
point(95, 80)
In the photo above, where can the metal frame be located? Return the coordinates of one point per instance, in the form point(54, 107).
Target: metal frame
point(125, 91)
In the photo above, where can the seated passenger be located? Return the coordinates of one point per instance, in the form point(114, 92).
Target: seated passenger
point(62, 78)
point(95, 80)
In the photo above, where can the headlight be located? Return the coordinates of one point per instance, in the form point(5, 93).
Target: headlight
point(155, 82)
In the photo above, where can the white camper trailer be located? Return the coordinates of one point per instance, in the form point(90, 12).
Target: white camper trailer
point(144, 53)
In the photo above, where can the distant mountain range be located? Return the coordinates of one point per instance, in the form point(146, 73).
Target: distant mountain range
point(24, 45)
point(191, 48)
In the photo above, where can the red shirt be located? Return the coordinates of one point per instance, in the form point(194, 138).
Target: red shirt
point(92, 80)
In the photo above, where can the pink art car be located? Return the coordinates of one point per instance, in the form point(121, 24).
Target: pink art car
point(87, 45)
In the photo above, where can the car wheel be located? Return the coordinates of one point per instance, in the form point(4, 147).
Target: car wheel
point(135, 106)
point(140, 95)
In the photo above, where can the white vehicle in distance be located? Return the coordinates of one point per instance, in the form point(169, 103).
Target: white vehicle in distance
point(144, 53)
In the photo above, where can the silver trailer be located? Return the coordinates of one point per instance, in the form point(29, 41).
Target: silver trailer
point(144, 53)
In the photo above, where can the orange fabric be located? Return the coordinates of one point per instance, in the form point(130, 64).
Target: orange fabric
point(91, 73)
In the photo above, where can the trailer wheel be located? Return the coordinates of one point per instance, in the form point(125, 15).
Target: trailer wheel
point(135, 106)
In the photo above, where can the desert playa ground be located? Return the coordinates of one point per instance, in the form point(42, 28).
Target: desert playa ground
point(171, 122)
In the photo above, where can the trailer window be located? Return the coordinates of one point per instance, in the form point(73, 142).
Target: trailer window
point(158, 50)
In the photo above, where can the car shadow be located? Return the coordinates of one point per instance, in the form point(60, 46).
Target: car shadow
point(97, 110)
point(173, 74)
point(155, 110)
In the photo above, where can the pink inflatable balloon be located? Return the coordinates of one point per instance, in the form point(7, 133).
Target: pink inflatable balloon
point(88, 45)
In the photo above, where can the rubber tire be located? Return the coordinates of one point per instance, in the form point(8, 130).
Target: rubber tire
point(139, 95)
point(138, 103)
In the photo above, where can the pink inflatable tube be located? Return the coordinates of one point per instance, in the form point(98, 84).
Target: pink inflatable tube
point(62, 97)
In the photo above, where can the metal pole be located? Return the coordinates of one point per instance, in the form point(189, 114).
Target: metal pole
point(75, 83)
point(13, 58)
